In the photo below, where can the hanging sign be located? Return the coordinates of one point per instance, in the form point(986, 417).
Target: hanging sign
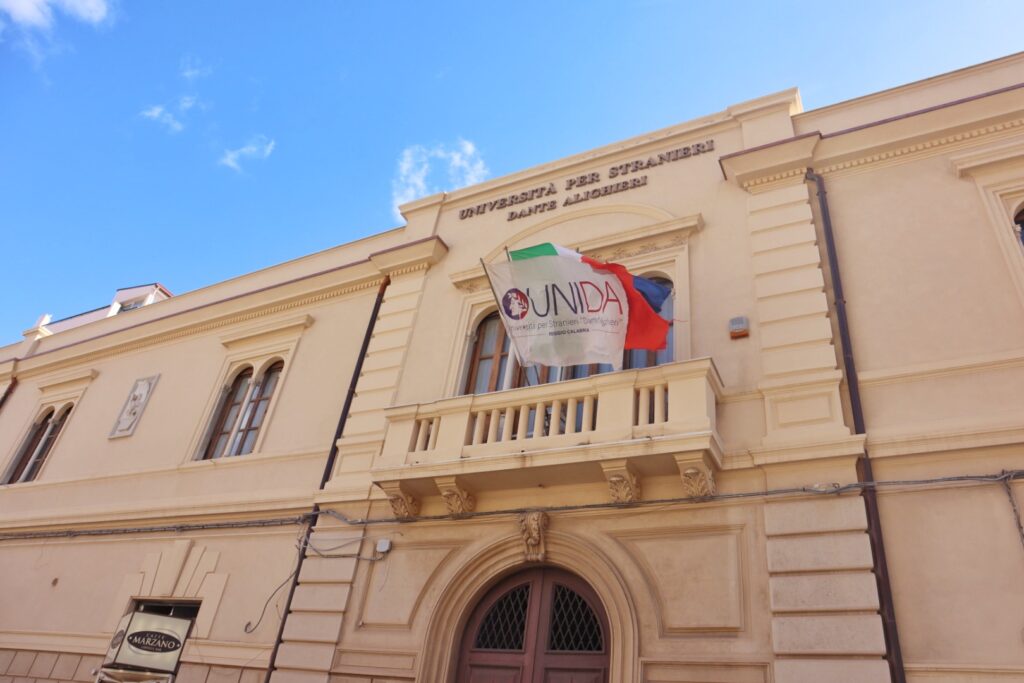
point(152, 642)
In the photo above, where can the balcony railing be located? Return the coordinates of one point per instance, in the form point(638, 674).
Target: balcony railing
point(662, 410)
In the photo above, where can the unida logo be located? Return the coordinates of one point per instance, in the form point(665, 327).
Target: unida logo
point(153, 641)
point(516, 304)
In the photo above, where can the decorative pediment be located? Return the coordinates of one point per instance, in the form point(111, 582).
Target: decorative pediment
point(649, 230)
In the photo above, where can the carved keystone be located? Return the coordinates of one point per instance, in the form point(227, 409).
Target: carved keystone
point(457, 497)
point(623, 481)
point(698, 475)
point(533, 526)
point(403, 503)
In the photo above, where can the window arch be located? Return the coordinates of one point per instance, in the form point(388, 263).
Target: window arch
point(37, 446)
point(241, 412)
point(491, 357)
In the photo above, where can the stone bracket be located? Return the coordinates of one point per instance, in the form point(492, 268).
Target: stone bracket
point(623, 480)
point(403, 503)
point(698, 474)
point(457, 497)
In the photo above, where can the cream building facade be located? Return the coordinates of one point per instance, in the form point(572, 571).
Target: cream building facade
point(332, 467)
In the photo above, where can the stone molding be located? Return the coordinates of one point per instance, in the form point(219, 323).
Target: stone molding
point(366, 274)
point(469, 578)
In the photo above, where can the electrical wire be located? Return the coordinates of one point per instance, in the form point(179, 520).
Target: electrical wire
point(249, 626)
point(1013, 504)
point(828, 489)
point(199, 526)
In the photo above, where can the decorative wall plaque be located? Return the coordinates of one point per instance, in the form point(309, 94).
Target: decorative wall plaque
point(131, 413)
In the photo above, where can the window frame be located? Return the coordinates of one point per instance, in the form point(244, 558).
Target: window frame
point(997, 171)
point(259, 345)
point(256, 371)
point(35, 447)
point(59, 392)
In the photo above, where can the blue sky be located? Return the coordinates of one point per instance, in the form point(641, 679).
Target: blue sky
point(189, 142)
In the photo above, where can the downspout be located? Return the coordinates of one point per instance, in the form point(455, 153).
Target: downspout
point(893, 653)
point(332, 457)
point(8, 391)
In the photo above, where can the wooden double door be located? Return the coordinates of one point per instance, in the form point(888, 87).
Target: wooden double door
point(542, 625)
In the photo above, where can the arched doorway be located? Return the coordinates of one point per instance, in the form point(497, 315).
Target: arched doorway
point(542, 624)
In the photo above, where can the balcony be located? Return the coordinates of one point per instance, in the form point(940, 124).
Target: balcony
point(622, 425)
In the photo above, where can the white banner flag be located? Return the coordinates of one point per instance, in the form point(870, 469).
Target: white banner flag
point(560, 311)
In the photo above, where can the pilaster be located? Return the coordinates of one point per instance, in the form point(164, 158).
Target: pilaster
point(313, 625)
point(382, 366)
point(824, 600)
point(800, 379)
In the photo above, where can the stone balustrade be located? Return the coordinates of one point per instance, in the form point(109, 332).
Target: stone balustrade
point(617, 419)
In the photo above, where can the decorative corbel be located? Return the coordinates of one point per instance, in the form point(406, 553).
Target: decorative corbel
point(533, 525)
point(623, 481)
point(698, 475)
point(403, 503)
point(457, 498)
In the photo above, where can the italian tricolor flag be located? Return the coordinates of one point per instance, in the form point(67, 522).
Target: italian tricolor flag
point(562, 308)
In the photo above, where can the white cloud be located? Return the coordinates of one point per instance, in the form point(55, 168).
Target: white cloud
point(186, 102)
point(193, 68)
point(419, 168)
point(259, 147)
point(160, 115)
point(38, 14)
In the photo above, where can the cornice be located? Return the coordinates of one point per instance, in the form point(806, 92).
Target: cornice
point(33, 365)
point(935, 441)
point(926, 371)
point(359, 276)
point(935, 130)
point(294, 323)
point(982, 160)
point(782, 161)
point(410, 257)
point(928, 147)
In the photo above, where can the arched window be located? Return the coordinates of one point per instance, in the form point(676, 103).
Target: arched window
point(241, 412)
point(37, 446)
point(256, 410)
point(490, 357)
point(539, 625)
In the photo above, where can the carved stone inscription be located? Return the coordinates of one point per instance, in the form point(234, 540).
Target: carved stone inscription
point(584, 187)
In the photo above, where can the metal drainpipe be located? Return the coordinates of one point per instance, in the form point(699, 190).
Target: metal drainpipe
point(8, 391)
point(893, 654)
point(328, 469)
